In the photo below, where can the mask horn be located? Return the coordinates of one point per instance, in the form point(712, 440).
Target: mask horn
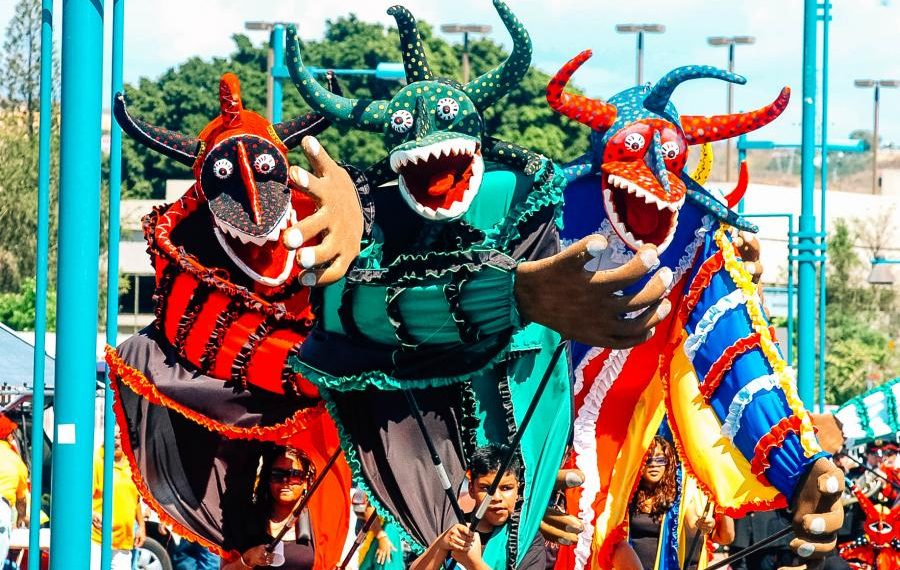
point(173, 144)
point(704, 164)
point(659, 96)
point(292, 131)
point(411, 45)
point(699, 129)
point(490, 87)
point(360, 113)
point(596, 114)
point(734, 197)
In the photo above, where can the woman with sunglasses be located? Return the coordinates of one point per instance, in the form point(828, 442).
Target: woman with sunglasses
point(285, 477)
point(653, 501)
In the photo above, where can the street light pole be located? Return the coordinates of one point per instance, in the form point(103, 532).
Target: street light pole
point(465, 30)
point(730, 42)
point(877, 84)
point(274, 61)
point(640, 30)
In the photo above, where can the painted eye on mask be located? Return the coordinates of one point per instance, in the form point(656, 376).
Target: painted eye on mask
point(401, 121)
point(447, 108)
point(223, 168)
point(670, 149)
point(634, 142)
point(264, 163)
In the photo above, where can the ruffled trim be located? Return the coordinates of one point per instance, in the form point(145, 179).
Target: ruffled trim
point(387, 517)
point(585, 440)
point(224, 320)
point(546, 191)
point(186, 322)
point(468, 332)
point(395, 316)
point(242, 360)
point(773, 439)
point(147, 495)
point(742, 399)
point(708, 322)
point(384, 381)
point(744, 281)
point(140, 384)
point(778, 502)
point(724, 363)
point(699, 284)
point(411, 269)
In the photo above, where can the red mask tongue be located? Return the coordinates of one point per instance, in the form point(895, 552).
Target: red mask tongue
point(440, 184)
point(641, 217)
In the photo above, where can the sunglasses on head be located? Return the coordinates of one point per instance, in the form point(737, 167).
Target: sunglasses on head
point(656, 462)
point(292, 475)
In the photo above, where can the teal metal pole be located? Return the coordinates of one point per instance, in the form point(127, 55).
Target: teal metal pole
point(112, 285)
point(79, 259)
point(741, 157)
point(823, 273)
point(277, 43)
point(791, 293)
point(808, 246)
point(40, 301)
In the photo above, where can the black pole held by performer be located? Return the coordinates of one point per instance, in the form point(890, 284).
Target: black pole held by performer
point(517, 439)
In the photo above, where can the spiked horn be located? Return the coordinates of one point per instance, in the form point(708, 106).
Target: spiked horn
point(173, 144)
point(292, 131)
point(414, 61)
point(596, 114)
point(659, 96)
point(707, 202)
point(361, 113)
point(490, 87)
point(734, 197)
point(699, 129)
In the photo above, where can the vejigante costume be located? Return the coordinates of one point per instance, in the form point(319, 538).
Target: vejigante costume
point(712, 365)
point(204, 389)
point(879, 546)
point(430, 306)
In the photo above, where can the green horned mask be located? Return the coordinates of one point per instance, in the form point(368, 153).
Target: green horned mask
point(432, 128)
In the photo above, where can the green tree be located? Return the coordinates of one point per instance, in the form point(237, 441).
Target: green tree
point(17, 308)
point(859, 321)
point(185, 97)
point(20, 79)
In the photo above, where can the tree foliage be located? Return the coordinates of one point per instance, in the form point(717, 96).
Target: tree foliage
point(860, 321)
point(185, 97)
point(17, 309)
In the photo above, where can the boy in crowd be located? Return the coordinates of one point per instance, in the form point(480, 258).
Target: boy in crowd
point(466, 547)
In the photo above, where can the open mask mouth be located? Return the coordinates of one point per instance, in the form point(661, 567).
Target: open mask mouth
point(637, 214)
point(263, 258)
point(440, 180)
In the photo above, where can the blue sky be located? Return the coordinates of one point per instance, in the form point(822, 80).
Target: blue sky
point(163, 33)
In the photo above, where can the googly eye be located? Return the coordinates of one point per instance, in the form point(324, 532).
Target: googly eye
point(401, 121)
point(634, 142)
point(264, 163)
point(670, 149)
point(223, 168)
point(447, 108)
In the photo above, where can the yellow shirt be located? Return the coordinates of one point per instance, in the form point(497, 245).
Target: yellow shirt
point(13, 475)
point(125, 502)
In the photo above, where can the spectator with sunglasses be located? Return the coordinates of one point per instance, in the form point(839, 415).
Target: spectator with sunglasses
point(285, 478)
point(656, 494)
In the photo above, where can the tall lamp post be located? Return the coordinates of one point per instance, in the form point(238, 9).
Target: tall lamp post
point(275, 63)
point(465, 30)
point(877, 84)
point(881, 274)
point(730, 43)
point(640, 30)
